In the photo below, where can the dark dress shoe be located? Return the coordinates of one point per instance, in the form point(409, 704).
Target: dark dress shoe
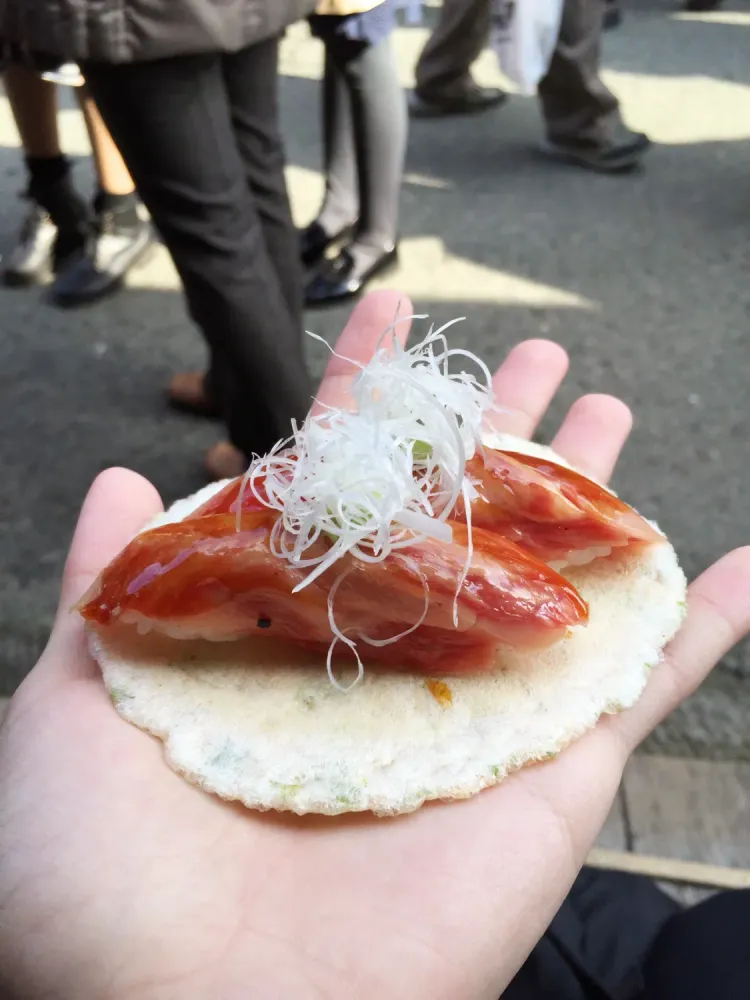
point(623, 152)
point(101, 267)
point(702, 5)
point(342, 278)
point(470, 101)
point(314, 241)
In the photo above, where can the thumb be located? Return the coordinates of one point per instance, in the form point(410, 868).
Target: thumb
point(116, 507)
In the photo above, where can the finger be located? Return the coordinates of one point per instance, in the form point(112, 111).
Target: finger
point(370, 319)
point(525, 383)
point(592, 434)
point(718, 617)
point(116, 507)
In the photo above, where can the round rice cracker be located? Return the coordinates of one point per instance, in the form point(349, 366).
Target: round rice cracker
point(259, 722)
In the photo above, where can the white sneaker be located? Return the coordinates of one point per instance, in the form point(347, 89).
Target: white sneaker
point(67, 75)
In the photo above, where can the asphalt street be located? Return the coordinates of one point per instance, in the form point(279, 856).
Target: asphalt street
point(643, 278)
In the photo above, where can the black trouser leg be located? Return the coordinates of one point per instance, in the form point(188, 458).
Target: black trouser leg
point(197, 153)
point(595, 947)
point(703, 953)
point(618, 937)
point(261, 149)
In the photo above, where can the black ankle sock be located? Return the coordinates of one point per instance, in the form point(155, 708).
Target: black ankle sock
point(124, 207)
point(51, 187)
point(44, 171)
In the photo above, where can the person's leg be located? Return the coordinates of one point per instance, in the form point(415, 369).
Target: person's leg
point(582, 115)
point(380, 133)
point(121, 236)
point(596, 944)
point(255, 118)
point(33, 102)
point(340, 208)
point(59, 221)
point(111, 172)
point(173, 123)
point(379, 126)
point(444, 84)
point(703, 953)
point(575, 101)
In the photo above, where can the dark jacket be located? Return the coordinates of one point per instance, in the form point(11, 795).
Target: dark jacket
point(116, 31)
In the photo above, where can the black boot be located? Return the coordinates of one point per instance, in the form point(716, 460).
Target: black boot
point(121, 238)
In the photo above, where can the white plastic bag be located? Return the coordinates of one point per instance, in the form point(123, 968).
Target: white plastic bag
point(523, 36)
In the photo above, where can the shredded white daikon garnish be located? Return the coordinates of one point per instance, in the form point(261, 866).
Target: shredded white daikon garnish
point(386, 473)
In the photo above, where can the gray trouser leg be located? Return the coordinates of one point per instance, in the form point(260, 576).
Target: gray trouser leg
point(365, 139)
point(575, 102)
point(458, 39)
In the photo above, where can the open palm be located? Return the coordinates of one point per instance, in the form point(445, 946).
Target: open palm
point(118, 879)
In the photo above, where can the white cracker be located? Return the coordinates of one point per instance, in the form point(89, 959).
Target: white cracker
point(261, 723)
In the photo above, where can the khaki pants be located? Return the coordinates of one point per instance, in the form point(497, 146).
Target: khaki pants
point(575, 102)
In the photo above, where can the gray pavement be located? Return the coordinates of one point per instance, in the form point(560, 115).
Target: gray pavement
point(644, 279)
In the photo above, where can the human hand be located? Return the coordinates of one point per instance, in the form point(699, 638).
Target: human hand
point(119, 880)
